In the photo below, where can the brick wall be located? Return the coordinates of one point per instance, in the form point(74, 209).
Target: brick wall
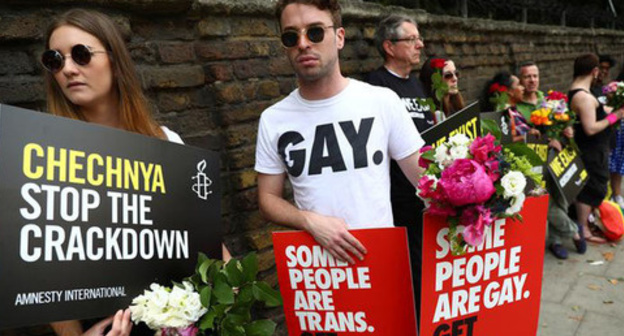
point(211, 66)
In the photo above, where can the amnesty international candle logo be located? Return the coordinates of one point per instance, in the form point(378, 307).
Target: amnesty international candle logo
point(90, 216)
point(201, 187)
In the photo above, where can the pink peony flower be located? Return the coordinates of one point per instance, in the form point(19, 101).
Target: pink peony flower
point(466, 182)
point(482, 147)
point(474, 219)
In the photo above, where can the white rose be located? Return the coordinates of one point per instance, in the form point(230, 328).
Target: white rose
point(516, 204)
point(459, 152)
point(459, 139)
point(168, 308)
point(441, 156)
point(513, 183)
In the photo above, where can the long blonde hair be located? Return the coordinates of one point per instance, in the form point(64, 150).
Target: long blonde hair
point(133, 109)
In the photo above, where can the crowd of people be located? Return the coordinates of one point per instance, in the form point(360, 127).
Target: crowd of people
point(349, 148)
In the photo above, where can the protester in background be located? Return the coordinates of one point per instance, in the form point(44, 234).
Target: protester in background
point(91, 77)
point(452, 100)
point(560, 225)
point(528, 73)
point(503, 92)
point(399, 42)
point(606, 62)
point(592, 137)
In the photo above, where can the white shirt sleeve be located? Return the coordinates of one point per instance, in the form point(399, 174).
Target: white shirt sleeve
point(268, 160)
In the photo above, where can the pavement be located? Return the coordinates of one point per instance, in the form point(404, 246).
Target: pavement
point(583, 295)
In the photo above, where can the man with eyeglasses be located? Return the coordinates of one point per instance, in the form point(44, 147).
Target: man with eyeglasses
point(332, 137)
point(399, 42)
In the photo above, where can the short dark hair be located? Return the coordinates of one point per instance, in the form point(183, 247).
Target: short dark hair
point(388, 29)
point(585, 64)
point(608, 59)
point(329, 5)
point(524, 64)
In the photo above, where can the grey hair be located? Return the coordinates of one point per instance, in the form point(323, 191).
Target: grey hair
point(388, 29)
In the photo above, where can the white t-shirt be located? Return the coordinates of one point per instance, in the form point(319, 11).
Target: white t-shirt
point(172, 136)
point(337, 151)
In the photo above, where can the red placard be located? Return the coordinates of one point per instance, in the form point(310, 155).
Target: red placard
point(326, 297)
point(489, 291)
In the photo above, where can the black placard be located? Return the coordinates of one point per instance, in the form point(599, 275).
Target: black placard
point(465, 121)
point(568, 171)
point(62, 255)
point(501, 118)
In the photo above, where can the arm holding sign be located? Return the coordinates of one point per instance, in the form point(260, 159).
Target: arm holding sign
point(331, 232)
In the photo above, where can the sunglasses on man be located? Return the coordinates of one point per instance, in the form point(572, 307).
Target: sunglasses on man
point(314, 34)
point(54, 61)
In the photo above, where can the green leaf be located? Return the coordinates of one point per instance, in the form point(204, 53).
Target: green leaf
point(214, 269)
point(201, 257)
point(260, 328)
point(250, 266)
point(245, 293)
point(490, 126)
point(242, 310)
point(234, 275)
point(233, 330)
point(235, 319)
point(521, 149)
point(222, 290)
point(207, 321)
point(204, 296)
point(203, 270)
point(263, 292)
point(195, 280)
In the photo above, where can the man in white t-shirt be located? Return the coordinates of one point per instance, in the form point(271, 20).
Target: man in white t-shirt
point(333, 137)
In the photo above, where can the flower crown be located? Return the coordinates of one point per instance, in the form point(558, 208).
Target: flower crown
point(498, 88)
point(438, 63)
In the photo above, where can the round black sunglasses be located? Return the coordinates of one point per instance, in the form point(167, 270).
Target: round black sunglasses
point(314, 34)
point(54, 61)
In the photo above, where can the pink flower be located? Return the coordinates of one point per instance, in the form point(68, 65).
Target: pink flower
point(441, 209)
point(422, 162)
point(188, 331)
point(426, 187)
point(492, 167)
point(466, 182)
point(482, 147)
point(474, 219)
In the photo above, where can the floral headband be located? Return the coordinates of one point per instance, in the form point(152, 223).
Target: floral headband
point(498, 88)
point(438, 63)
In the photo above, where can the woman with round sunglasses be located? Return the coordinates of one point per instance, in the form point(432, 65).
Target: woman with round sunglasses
point(91, 77)
point(453, 100)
